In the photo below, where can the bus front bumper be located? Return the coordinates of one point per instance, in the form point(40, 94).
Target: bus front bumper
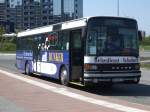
point(112, 77)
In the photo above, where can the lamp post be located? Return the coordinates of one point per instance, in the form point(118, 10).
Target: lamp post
point(118, 7)
point(62, 9)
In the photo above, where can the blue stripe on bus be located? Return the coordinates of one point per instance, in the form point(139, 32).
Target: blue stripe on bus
point(57, 58)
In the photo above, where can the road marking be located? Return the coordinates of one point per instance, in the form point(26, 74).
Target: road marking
point(65, 92)
point(146, 61)
point(6, 54)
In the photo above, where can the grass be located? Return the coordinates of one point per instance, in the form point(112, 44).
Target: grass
point(145, 44)
point(11, 52)
point(8, 48)
point(144, 58)
point(145, 65)
point(144, 47)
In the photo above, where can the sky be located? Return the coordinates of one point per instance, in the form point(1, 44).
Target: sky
point(1, 1)
point(137, 9)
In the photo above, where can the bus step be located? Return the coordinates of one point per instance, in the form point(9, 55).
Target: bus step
point(77, 83)
point(37, 74)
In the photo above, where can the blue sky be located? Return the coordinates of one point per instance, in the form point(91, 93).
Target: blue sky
point(138, 9)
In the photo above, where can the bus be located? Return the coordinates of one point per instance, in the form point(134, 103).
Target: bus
point(93, 50)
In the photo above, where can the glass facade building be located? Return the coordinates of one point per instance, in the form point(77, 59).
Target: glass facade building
point(71, 8)
point(2, 11)
point(2, 1)
point(14, 3)
point(28, 14)
point(57, 7)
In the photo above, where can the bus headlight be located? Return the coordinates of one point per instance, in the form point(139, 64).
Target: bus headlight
point(88, 67)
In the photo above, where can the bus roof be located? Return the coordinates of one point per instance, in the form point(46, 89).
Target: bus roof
point(61, 26)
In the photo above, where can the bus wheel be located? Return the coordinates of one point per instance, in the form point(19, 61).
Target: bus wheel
point(27, 69)
point(64, 77)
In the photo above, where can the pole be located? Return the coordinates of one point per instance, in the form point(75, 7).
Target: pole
point(118, 9)
point(62, 9)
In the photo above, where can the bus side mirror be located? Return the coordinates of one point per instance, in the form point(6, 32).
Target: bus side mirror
point(141, 35)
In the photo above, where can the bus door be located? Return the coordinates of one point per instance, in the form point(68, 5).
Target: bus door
point(76, 55)
point(36, 54)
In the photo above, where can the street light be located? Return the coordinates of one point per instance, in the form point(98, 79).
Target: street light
point(118, 7)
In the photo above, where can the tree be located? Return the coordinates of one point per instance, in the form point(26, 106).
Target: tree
point(2, 31)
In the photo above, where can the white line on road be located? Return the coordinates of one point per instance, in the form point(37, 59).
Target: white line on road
point(6, 54)
point(65, 92)
point(146, 61)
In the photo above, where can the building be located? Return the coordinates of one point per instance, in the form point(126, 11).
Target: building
point(8, 26)
point(14, 3)
point(28, 14)
point(31, 14)
point(37, 13)
point(2, 11)
point(19, 20)
point(78, 8)
point(46, 12)
point(68, 9)
point(14, 13)
point(6, 16)
point(11, 13)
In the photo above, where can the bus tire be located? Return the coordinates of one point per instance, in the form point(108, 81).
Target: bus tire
point(27, 69)
point(64, 79)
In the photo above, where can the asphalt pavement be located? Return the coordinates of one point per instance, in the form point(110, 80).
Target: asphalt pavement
point(131, 93)
point(145, 53)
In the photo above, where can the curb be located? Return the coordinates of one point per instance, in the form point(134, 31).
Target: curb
point(7, 54)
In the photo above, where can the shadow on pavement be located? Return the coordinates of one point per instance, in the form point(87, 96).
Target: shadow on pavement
point(119, 90)
point(115, 90)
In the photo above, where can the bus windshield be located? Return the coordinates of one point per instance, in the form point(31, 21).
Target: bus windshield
point(112, 37)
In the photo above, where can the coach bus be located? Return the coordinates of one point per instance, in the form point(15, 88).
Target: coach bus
point(91, 50)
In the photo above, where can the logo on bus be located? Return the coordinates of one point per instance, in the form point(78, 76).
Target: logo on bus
point(57, 57)
point(117, 60)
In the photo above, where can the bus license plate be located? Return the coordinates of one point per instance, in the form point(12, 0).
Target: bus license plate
point(95, 81)
point(117, 80)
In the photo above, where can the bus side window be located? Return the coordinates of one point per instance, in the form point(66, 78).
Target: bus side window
point(19, 42)
point(26, 43)
point(52, 41)
point(64, 40)
point(76, 47)
point(76, 40)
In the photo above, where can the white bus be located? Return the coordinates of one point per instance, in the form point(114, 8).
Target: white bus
point(83, 51)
